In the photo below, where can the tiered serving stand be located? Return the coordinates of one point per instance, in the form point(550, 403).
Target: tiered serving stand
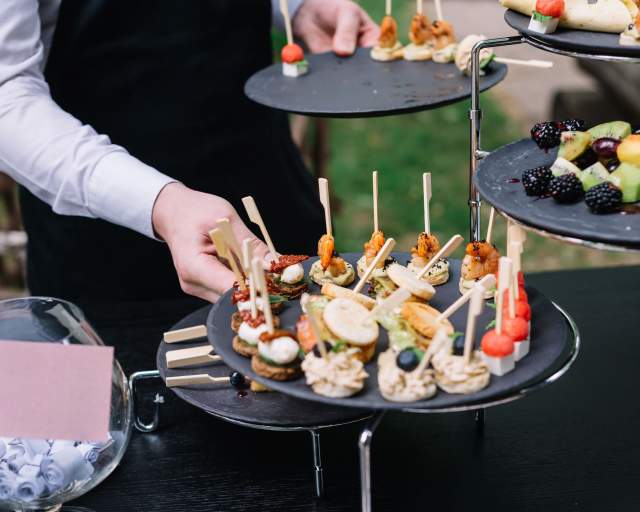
point(356, 87)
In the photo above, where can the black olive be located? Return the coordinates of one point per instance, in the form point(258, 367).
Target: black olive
point(458, 346)
point(316, 350)
point(237, 380)
point(407, 360)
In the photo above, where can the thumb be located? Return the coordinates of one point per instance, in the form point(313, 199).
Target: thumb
point(347, 29)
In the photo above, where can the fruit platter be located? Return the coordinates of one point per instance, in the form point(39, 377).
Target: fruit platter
point(570, 180)
point(383, 329)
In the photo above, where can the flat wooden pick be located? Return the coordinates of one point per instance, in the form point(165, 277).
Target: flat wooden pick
point(246, 261)
point(224, 225)
point(475, 309)
point(284, 9)
point(492, 219)
point(486, 282)
point(255, 217)
point(426, 199)
point(505, 269)
point(258, 278)
point(323, 185)
point(224, 252)
point(376, 223)
point(382, 255)
point(445, 251)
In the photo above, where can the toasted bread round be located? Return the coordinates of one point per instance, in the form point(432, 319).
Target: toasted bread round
point(350, 321)
point(404, 278)
point(422, 318)
point(243, 348)
point(264, 369)
point(334, 291)
point(366, 352)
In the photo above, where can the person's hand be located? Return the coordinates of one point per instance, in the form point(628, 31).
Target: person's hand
point(338, 25)
point(183, 218)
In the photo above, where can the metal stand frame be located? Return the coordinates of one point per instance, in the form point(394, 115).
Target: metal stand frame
point(314, 431)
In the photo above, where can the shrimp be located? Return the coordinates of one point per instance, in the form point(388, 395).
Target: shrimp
point(337, 266)
point(388, 32)
point(443, 34)
point(420, 31)
point(426, 248)
point(326, 247)
point(373, 246)
point(480, 260)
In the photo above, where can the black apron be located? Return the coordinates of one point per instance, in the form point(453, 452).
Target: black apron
point(164, 79)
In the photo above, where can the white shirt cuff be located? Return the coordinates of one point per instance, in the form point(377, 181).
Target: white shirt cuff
point(123, 190)
point(278, 20)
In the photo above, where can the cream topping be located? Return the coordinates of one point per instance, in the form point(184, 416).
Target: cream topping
point(292, 274)
point(282, 350)
point(397, 385)
point(338, 376)
point(454, 376)
point(323, 276)
point(251, 334)
point(245, 305)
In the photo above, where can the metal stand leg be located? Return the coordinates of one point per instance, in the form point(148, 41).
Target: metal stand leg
point(158, 401)
point(317, 464)
point(475, 116)
point(480, 418)
point(364, 443)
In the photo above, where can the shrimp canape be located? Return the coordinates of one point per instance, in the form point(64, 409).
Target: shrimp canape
point(422, 38)
point(380, 285)
point(331, 268)
point(481, 259)
point(388, 47)
point(463, 54)
point(425, 249)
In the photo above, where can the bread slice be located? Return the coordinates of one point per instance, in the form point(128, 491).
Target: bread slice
point(339, 292)
point(275, 372)
point(350, 321)
point(421, 317)
point(404, 278)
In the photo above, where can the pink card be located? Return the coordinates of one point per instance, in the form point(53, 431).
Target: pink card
point(55, 391)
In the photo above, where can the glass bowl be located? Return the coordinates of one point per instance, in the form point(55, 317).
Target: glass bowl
point(42, 474)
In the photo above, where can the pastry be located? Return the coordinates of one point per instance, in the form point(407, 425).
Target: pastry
point(351, 322)
point(453, 375)
point(388, 47)
point(463, 54)
point(421, 38)
point(341, 374)
point(405, 278)
point(425, 249)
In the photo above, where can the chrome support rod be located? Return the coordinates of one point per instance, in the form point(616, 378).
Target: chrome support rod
point(317, 464)
point(475, 116)
point(364, 444)
point(157, 401)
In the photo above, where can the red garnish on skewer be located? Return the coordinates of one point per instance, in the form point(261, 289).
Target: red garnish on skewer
point(286, 260)
point(292, 53)
point(497, 345)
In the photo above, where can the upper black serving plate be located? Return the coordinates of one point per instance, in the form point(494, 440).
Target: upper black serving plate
point(497, 180)
point(358, 86)
point(550, 346)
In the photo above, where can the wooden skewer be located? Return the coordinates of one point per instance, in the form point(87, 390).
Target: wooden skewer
point(446, 250)
point(419, 6)
point(246, 261)
point(316, 334)
point(261, 285)
point(492, 219)
point(255, 217)
point(515, 248)
point(487, 282)
point(284, 9)
point(438, 10)
point(531, 63)
point(221, 246)
point(382, 255)
point(435, 345)
point(387, 9)
point(376, 224)
point(191, 356)
point(191, 380)
point(475, 308)
point(426, 198)
point(323, 185)
point(391, 302)
point(224, 225)
point(186, 334)
point(504, 268)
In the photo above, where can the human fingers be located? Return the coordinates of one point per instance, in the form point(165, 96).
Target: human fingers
point(347, 30)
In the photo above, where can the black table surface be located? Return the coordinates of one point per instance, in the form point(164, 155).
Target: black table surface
point(572, 446)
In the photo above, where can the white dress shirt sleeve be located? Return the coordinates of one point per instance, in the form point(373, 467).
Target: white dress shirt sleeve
point(60, 160)
point(278, 20)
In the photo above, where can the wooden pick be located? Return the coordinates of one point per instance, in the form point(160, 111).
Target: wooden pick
point(475, 308)
point(186, 334)
point(531, 63)
point(191, 380)
point(246, 261)
point(316, 334)
point(515, 249)
point(445, 251)
point(426, 198)
point(261, 285)
point(438, 10)
point(376, 224)
point(224, 225)
point(391, 302)
point(487, 282)
point(323, 185)
point(504, 268)
point(492, 218)
point(419, 6)
point(191, 356)
point(255, 217)
point(387, 9)
point(223, 250)
point(284, 9)
point(435, 345)
point(382, 255)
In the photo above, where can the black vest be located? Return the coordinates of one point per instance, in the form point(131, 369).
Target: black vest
point(164, 79)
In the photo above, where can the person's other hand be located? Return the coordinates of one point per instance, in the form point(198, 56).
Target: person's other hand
point(338, 25)
point(183, 218)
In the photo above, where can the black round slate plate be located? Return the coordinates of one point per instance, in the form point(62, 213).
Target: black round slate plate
point(580, 41)
point(268, 409)
point(358, 86)
point(550, 346)
point(494, 181)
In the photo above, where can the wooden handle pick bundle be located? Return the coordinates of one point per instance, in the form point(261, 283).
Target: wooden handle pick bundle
point(256, 218)
point(224, 252)
point(475, 308)
point(284, 9)
point(382, 255)
point(426, 198)
point(224, 225)
point(486, 282)
point(247, 257)
point(504, 268)
point(191, 356)
point(323, 185)
point(445, 251)
point(186, 334)
point(261, 285)
point(376, 224)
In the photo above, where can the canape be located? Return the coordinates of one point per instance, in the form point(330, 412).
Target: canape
point(388, 47)
point(421, 253)
point(498, 352)
point(402, 277)
point(481, 259)
point(338, 375)
point(287, 275)
point(421, 37)
point(245, 342)
point(401, 380)
point(463, 54)
point(350, 322)
point(293, 61)
point(331, 268)
point(278, 356)
point(443, 35)
point(546, 16)
point(453, 374)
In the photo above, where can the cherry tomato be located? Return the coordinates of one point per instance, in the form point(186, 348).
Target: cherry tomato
point(292, 53)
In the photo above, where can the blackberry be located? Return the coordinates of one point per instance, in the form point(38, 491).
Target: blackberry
point(536, 181)
point(586, 159)
point(572, 125)
point(566, 188)
point(603, 198)
point(546, 135)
